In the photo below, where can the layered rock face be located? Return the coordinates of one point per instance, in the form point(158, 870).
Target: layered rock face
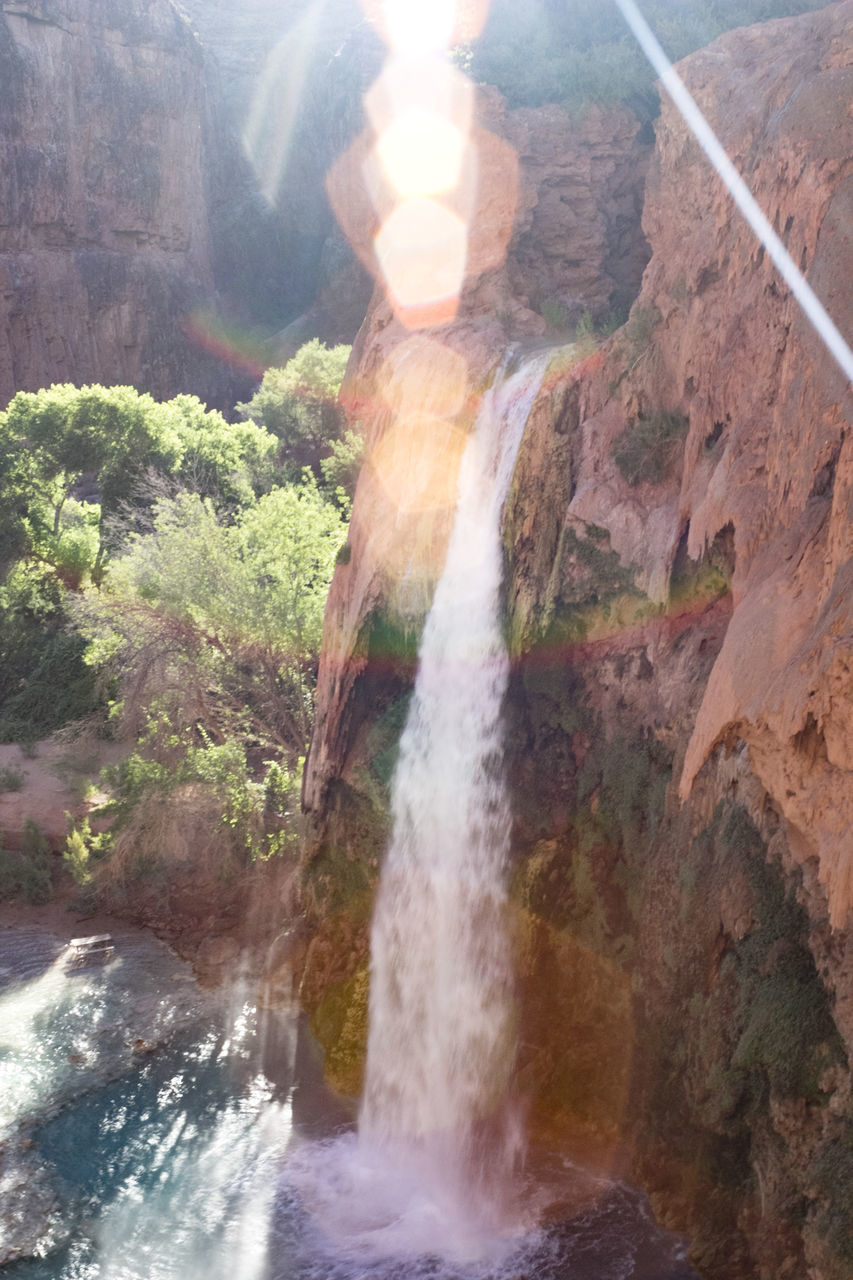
point(679, 723)
point(104, 240)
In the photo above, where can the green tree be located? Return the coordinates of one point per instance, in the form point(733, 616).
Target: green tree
point(229, 462)
point(211, 631)
point(580, 52)
point(63, 437)
point(43, 680)
point(217, 623)
point(300, 405)
point(71, 458)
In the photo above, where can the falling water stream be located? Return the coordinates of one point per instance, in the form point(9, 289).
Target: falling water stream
point(441, 1042)
point(205, 1156)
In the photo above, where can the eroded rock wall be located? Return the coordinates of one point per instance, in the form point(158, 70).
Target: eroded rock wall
point(678, 542)
point(679, 746)
point(104, 238)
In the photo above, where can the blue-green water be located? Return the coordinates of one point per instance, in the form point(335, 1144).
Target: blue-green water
point(152, 1133)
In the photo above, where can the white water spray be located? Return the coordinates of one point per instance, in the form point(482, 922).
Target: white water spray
point(441, 1041)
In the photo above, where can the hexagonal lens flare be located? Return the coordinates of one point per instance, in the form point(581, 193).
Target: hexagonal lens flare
point(422, 249)
point(417, 463)
point(429, 82)
point(421, 375)
point(421, 153)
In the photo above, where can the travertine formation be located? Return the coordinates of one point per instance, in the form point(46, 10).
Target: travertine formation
point(681, 712)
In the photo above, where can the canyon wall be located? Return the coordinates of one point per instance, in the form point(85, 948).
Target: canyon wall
point(678, 541)
point(104, 236)
point(163, 215)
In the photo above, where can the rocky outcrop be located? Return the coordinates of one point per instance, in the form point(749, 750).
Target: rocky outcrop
point(679, 552)
point(104, 242)
point(579, 245)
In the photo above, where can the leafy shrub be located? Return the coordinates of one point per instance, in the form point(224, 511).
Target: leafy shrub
point(340, 470)
point(78, 851)
point(585, 327)
point(179, 776)
point(639, 328)
point(11, 779)
point(27, 874)
point(554, 314)
point(212, 616)
point(645, 451)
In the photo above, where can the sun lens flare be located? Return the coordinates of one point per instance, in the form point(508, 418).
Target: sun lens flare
point(422, 248)
point(421, 153)
point(412, 26)
point(429, 83)
point(424, 375)
point(268, 133)
point(417, 462)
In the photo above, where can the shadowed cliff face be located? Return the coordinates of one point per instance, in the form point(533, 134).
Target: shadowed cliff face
point(678, 542)
point(286, 81)
point(104, 242)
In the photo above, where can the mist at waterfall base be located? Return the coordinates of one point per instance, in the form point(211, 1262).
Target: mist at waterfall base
point(214, 1155)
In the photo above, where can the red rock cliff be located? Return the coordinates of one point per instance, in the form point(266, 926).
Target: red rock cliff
point(104, 244)
point(681, 716)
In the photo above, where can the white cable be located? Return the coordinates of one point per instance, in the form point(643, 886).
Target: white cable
point(740, 192)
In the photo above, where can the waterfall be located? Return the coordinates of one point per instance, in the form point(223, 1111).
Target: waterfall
point(441, 1039)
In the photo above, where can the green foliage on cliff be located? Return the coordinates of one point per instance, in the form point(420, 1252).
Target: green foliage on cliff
point(782, 1033)
point(787, 1036)
point(759, 1034)
point(647, 449)
point(582, 53)
point(180, 777)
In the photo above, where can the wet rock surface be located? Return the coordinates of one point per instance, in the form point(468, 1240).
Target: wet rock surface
point(678, 548)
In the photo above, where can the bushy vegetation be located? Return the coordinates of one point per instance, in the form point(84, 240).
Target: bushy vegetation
point(647, 449)
point(27, 874)
point(580, 53)
point(209, 615)
point(165, 582)
point(299, 405)
point(72, 460)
